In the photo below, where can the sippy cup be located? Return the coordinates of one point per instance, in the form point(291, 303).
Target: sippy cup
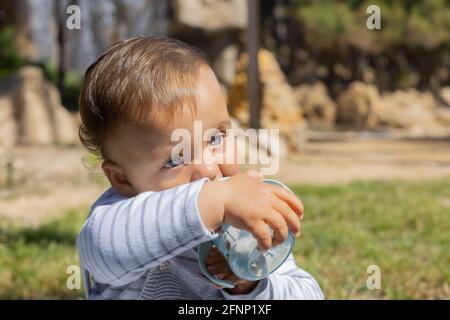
point(241, 251)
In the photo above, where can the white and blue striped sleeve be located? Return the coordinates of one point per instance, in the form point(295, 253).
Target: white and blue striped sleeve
point(124, 237)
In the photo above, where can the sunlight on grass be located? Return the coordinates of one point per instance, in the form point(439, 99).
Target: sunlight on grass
point(34, 261)
point(402, 227)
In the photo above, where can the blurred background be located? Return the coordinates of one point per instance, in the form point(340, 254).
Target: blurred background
point(364, 117)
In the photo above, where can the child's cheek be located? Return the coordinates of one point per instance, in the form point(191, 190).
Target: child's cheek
point(171, 178)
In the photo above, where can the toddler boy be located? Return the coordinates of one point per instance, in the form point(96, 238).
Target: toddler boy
point(140, 239)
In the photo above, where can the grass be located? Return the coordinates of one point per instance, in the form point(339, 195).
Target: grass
point(33, 261)
point(401, 227)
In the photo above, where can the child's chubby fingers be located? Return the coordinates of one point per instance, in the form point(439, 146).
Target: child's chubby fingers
point(278, 225)
point(214, 256)
point(232, 277)
point(223, 275)
point(211, 260)
point(262, 234)
point(229, 276)
point(221, 270)
point(240, 284)
point(290, 217)
point(291, 199)
point(218, 267)
point(216, 263)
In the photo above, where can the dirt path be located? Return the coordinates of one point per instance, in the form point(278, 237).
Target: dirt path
point(48, 181)
point(35, 208)
point(336, 162)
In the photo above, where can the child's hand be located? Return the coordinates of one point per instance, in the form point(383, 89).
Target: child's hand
point(218, 266)
point(245, 202)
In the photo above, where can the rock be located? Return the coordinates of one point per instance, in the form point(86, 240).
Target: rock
point(3, 168)
point(443, 116)
point(65, 127)
point(409, 112)
point(8, 126)
point(279, 109)
point(211, 15)
point(417, 114)
point(31, 112)
point(358, 106)
point(317, 106)
point(445, 95)
point(77, 119)
point(407, 109)
point(33, 108)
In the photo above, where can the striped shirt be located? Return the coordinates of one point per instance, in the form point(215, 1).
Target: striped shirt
point(144, 247)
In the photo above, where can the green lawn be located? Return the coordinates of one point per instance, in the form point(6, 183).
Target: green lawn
point(404, 228)
point(401, 227)
point(33, 262)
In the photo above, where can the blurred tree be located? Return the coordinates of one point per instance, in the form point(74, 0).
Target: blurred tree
point(10, 59)
point(329, 41)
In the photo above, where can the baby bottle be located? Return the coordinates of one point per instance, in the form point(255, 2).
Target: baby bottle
point(241, 251)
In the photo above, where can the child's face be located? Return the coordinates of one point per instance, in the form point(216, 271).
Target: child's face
point(141, 158)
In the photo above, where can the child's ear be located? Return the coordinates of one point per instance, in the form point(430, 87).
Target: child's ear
point(117, 178)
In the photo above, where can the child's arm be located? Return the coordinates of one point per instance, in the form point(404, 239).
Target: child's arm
point(289, 282)
point(120, 241)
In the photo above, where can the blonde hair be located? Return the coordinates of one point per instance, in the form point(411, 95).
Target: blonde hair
point(135, 79)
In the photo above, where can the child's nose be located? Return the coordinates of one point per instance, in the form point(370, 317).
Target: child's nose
point(210, 171)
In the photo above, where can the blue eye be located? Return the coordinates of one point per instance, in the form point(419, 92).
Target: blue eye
point(217, 139)
point(174, 161)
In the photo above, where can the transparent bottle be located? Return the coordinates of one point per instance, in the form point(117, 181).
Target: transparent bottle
point(240, 249)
